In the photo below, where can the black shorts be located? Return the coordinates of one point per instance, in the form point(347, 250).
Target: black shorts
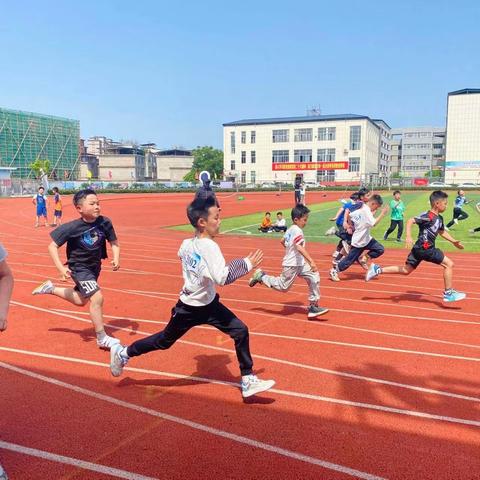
point(418, 255)
point(57, 213)
point(85, 279)
point(343, 234)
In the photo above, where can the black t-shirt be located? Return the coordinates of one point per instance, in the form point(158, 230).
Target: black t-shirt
point(430, 225)
point(86, 242)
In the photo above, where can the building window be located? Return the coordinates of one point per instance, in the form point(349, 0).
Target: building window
point(243, 177)
point(354, 164)
point(303, 135)
point(253, 176)
point(280, 156)
point(279, 136)
point(253, 156)
point(232, 164)
point(438, 146)
point(253, 136)
point(325, 176)
point(232, 142)
point(326, 155)
point(327, 133)
point(243, 137)
point(302, 156)
point(244, 157)
point(355, 134)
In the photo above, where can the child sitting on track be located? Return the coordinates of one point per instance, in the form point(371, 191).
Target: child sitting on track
point(6, 287)
point(363, 244)
point(40, 202)
point(203, 266)
point(430, 224)
point(86, 247)
point(266, 225)
point(293, 264)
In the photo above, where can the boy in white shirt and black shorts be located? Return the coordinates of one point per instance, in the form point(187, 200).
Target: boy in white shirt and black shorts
point(362, 221)
point(294, 265)
point(203, 267)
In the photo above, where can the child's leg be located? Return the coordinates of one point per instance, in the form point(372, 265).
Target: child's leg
point(375, 249)
point(447, 265)
point(403, 269)
point(227, 322)
point(96, 311)
point(71, 295)
point(390, 230)
point(462, 215)
point(313, 282)
point(400, 229)
point(284, 281)
point(351, 258)
point(37, 223)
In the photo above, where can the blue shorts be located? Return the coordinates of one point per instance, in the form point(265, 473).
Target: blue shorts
point(57, 213)
point(41, 211)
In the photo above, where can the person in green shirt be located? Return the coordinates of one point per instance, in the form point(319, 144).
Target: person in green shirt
point(397, 207)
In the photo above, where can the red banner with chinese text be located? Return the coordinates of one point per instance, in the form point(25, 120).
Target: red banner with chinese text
point(310, 166)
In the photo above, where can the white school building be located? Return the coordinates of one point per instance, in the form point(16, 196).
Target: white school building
point(329, 149)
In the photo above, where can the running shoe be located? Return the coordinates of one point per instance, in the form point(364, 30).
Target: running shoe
point(256, 278)
point(315, 311)
point(456, 221)
point(373, 271)
point(335, 254)
point(251, 385)
point(45, 288)
point(117, 362)
point(471, 231)
point(107, 342)
point(334, 275)
point(453, 296)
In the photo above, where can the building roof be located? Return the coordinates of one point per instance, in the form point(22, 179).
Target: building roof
point(465, 91)
point(381, 120)
point(39, 115)
point(175, 152)
point(311, 118)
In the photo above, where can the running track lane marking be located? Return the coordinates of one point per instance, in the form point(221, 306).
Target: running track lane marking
point(74, 462)
point(196, 426)
point(348, 403)
point(289, 337)
point(274, 360)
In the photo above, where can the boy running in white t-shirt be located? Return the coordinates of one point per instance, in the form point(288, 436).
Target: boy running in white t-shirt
point(362, 221)
point(294, 264)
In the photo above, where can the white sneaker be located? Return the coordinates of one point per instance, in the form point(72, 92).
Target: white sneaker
point(334, 275)
point(117, 362)
point(3, 474)
point(108, 342)
point(373, 271)
point(253, 385)
point(456, 221)
point(446, 228)
point(44, 288)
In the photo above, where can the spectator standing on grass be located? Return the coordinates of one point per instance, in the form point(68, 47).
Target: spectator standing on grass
point(6, 287)
point(298, 189)
point(397, 208)
point(303, 191)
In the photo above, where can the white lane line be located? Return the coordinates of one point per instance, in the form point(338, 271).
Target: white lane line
point(308, 322)
point(289, 393)
point(196, 426)
point(74, 462)
point(281, 361)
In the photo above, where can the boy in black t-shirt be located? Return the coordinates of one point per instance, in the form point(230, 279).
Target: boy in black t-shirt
point(430, 224)
point(86, 248)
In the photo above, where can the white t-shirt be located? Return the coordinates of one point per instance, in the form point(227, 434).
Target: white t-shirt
point(3, 253)
point(293, 237)
point(363, 220)
point(203, 266)
point(281, 223)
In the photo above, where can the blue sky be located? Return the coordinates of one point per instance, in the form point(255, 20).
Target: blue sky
point(173, 72)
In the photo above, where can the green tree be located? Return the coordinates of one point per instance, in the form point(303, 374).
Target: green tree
point(39, 167)
point(434, 173)
point(206, 158)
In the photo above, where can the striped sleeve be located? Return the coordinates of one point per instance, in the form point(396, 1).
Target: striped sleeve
point(298, 240)
point(236, 269)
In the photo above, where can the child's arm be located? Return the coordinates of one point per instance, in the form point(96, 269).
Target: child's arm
point(6, 287)
point(53, 251)
point(116, 254)
point(408, 238)
point(339, 212)
point(450, 239)
point(382, 214)
point(347, 224)
point(282, 241)
point(303, 251)
point(34, 200)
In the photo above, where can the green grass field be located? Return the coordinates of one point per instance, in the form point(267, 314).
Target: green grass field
point(318, 223)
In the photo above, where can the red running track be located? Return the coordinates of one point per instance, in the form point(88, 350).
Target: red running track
point(386, 387)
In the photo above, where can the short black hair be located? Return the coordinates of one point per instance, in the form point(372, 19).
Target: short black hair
point(354, 196)
point(437, 195)
point(396, 191)
point(363, 191)
point(299, 211)
point(267, 213)
point(55, 189)
point(40, 187)
point(376, 198)
point(199, 209)
point(81, 195)
point(279, 213)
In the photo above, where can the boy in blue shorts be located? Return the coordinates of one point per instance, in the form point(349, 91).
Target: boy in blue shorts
point(40, 201)
point(86, 248)
point(430, 224)
point(203, 267)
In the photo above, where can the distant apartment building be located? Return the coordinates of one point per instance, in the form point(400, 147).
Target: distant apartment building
point(330, 149)
point(173, 164)
point(463, 137)
point(416, 151)
point(121, 163)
